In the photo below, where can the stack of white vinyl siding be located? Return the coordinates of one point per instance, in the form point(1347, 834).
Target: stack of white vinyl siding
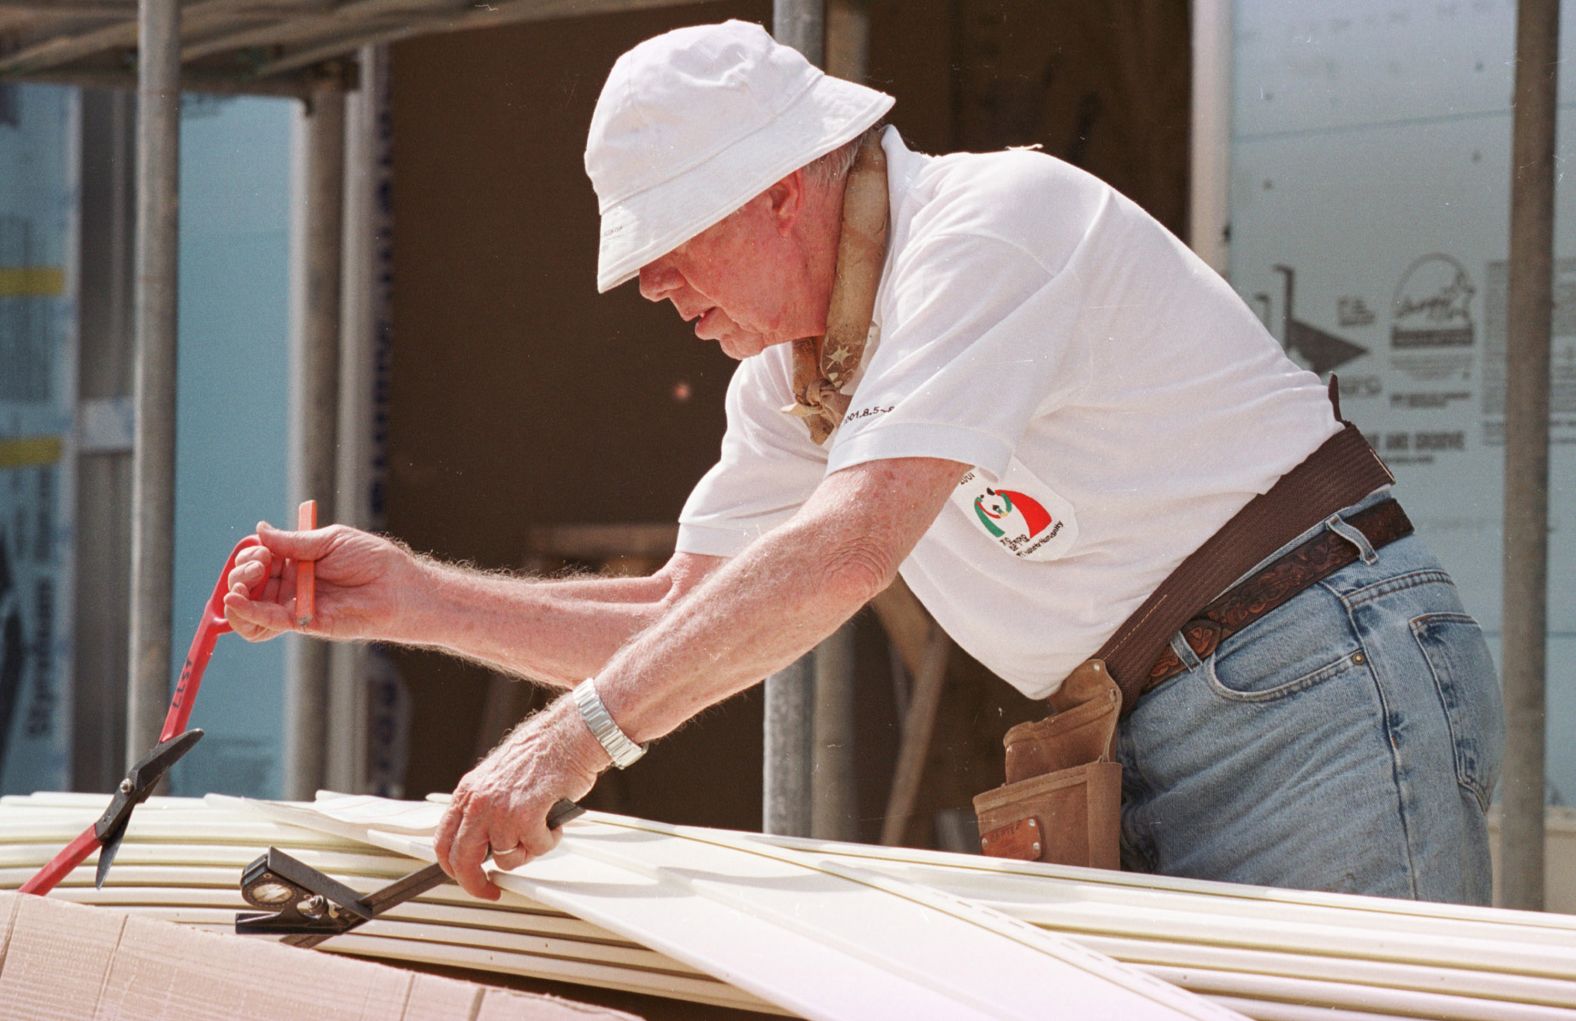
point(838, 930)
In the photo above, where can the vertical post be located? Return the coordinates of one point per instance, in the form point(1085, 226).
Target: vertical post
point(785, 791)
point(1530, 308)
point(834, 808)
point(365, 313)
point(848, 39)
point(1210, 186)
point(834, 775)
point(153, 458)
point(314, 418)
point(785, 794)
point(104, 462)
point(802, 25)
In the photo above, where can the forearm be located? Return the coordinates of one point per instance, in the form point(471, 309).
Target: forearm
point(557, 631)
point(776, 600)
point(759, 613)
point(749, 616)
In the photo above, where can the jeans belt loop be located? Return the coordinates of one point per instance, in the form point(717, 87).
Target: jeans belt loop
point(1343, 528)
point(1184, 650)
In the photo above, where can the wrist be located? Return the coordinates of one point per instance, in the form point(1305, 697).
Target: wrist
point(431, 595)
point(620, 750)
point(575, 738)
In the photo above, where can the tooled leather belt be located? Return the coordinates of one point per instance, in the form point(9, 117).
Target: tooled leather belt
point(1275, 584)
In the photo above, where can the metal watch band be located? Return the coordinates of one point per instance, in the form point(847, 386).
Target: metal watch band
point(614, 741)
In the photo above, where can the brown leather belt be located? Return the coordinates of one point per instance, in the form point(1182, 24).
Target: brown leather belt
point(1341, 472)
point(1289, 574)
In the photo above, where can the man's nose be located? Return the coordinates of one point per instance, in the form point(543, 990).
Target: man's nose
point(657, 282)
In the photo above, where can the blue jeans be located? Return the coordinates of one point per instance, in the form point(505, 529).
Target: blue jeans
point(1347, 741)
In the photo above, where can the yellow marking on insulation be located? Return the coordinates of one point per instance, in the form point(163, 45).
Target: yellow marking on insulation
point(29, 451)
point(32, 281)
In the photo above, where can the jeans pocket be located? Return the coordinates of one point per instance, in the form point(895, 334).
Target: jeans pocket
point(1468, 688)
point(1304, 643)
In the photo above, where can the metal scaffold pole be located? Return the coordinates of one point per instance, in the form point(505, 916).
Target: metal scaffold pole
point(834, 779)
point(314, 394)
point(153, 461)
point(834, 724)
point(1530, 308)
point(790, 693)
point(785, 787)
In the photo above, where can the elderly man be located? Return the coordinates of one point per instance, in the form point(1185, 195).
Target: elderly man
point(1033, 402)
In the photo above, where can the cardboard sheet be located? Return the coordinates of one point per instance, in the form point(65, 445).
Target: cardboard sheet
point(64, 962)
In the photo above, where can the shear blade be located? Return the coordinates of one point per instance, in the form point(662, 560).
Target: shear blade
point(107, 852)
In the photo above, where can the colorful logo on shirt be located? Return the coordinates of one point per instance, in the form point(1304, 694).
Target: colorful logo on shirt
point(1040, 527)
point(999, 505)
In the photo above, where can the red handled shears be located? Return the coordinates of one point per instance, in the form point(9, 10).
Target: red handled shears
point(175, 740)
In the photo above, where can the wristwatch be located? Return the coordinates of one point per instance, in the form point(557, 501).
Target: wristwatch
point(614, 741)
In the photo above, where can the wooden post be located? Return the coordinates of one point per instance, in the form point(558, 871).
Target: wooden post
point(1526, 563)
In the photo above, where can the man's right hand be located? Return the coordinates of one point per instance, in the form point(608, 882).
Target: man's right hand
point(361, 579)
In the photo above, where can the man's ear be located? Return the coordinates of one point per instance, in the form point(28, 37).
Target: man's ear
point(786, 201)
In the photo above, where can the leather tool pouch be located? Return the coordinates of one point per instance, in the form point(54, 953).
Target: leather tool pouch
point(1062, 799)
point(1063, 796)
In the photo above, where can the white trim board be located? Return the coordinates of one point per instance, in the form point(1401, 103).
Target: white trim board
point(1226, 943)
point(813, 939)
point(1203, 969)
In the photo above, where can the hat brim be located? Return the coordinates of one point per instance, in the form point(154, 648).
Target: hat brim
point(643, 227)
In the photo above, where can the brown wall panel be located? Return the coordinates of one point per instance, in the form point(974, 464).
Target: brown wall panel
point(521, 397)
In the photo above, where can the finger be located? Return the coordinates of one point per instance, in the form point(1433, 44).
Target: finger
point(250, 617)
point(255, 554)
point(443, 838)
point(309, 545)
point(280, 587)
point(540, 841)
point(466, 856)
point(510, 860)
point(506, 850)
point(246, 575)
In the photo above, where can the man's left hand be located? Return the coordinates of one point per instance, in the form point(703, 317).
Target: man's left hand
point(500, 807)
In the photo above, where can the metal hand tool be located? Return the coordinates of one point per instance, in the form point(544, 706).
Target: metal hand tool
point(104, 835)
point(307, 907)
point(175, 740)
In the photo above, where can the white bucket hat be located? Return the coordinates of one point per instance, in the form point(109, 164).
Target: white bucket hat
point(694, 123)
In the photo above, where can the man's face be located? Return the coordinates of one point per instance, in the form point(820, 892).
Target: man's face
point(742, 282)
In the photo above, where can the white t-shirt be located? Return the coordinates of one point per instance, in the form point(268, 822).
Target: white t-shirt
point(1118, 401)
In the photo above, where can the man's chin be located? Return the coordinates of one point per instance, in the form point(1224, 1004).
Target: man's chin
point(740, 348)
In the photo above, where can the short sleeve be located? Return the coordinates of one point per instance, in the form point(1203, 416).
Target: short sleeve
point(977, 339)
point(768, 466)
